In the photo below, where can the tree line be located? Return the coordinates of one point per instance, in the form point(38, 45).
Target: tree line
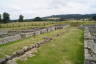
point(5, 18)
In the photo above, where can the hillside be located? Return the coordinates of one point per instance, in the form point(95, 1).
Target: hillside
point(72, 16)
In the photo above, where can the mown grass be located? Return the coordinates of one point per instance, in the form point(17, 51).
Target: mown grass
point(8, 49)
point(65, 49)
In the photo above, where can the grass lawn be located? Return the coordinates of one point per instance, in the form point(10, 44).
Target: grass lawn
point(65, 49)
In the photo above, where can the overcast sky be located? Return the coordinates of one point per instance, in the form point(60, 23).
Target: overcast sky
point(34, 8)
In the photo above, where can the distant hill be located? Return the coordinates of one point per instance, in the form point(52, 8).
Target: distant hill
point(62, 17)
point(72, 16)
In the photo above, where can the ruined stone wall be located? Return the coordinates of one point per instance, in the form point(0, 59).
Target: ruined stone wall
point(44, 30)
point(10, 39)
point(26, 34)
point(89, 47)
point(24, 50)
point(3, 32)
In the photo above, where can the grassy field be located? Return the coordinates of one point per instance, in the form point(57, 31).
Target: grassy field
point(65, 49)
point(77, 22)
point(28, 25)
point(25, 25)
point(8, 49)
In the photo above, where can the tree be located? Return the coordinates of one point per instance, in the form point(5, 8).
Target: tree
point(94, 18)
point(0, 18)
point(37, 19)
point(21, 18)
point(6, 17)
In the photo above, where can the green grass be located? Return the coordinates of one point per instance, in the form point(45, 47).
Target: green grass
point(25, 25)
point(28, 25)
point(8, 49)
point(65, 49)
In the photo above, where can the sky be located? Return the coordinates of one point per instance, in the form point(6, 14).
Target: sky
point(33, 8)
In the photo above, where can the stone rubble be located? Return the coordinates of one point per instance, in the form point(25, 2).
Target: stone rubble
point(89, 44)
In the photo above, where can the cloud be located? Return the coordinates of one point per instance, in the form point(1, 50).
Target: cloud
point(33, 8)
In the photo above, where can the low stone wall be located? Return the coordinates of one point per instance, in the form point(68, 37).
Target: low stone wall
point(24, 50)
point(43, 30)
point(3, 32)
point(10, 39)
point(25, 35)
point(89, 47)
point(30, 33)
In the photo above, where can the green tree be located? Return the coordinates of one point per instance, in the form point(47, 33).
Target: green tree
point(0, 18)
point(21, 18)
point(37, 19)
point(6, 17)
point(94, 18)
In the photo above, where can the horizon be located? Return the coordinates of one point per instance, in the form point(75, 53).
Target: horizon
point(42, 8)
